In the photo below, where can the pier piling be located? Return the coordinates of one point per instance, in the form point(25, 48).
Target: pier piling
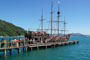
point(18, 50)
point(5, 52)
point(31, 48)
point(26, 49)
point(10, 51)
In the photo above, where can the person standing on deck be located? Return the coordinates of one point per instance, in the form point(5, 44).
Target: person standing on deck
point(28, 37)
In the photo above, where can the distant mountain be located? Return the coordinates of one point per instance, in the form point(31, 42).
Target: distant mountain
point(9, 29)
point(79, 34)
point(76, 34)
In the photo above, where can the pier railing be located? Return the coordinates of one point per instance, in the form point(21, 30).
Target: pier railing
point(20, 44)
point(23, 43)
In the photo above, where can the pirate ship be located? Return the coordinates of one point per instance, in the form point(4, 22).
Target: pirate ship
point(44, 37)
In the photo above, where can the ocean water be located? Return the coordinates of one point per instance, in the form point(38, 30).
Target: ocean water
point(79, 51)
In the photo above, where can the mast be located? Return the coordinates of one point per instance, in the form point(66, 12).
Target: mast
point(64, 26)
point(42, 19)
point(51, 17)
point(58, 17)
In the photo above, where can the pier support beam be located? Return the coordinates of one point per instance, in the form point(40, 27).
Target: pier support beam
point(31, 48)
point(18, 50)
point(24, 45)
point(26, 49)
point(10, 51)
point(23, 48)
point(54, 45)
point(37, 48)
point(46, 46)
point(5, 52)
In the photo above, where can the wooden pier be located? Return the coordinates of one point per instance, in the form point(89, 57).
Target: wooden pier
point(26, 46)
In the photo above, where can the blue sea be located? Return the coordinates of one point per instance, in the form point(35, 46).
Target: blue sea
point(79, 51)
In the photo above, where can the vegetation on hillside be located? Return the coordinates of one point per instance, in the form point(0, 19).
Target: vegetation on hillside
point(8, 29)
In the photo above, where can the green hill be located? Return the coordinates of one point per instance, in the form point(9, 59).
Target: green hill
point(8, 29)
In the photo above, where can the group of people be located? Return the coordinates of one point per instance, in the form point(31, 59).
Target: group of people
point(36, 36)
point(44, 37)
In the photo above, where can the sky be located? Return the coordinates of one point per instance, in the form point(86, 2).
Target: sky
point(27, 13)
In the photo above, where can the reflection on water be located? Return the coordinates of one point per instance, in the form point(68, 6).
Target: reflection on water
point(15, 56)
point(3, 57)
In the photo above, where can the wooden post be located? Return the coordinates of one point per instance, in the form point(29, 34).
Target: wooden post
point(31, 48)
point(10, 51)
point(23, 44)
point(46, 45)
point(26, 49)
point(5, 52)
point(5, 57)
point(37, 47)
point(23, 48)
point(10, 44)
point(18, 50)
